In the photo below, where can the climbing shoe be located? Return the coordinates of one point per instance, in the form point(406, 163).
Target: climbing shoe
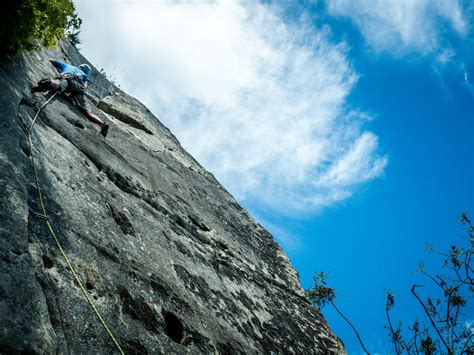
point(43, 85)
point(104, 130)
point(37, 89)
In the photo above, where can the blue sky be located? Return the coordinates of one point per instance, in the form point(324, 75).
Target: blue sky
point(345, 127)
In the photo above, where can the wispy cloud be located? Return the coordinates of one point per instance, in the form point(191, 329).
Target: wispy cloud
point(403, 26)
point(262, 103)
point(468, 81)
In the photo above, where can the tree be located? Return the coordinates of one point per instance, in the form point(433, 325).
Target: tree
point(320, 295)
point(28, 24)
point(445, 331)
point(442, 330)
point(73, 37)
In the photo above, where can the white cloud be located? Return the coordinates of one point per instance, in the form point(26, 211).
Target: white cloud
point(353, 167)
point(405, 25)
point(467, 81)
point(260, 102)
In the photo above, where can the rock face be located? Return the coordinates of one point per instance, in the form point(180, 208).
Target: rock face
point(171, 260)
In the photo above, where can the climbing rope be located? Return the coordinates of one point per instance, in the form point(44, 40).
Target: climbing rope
point(45, 217)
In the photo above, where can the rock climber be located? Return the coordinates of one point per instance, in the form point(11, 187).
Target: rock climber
point(73, 81)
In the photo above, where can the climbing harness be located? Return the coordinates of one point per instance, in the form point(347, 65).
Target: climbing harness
point(44, 216)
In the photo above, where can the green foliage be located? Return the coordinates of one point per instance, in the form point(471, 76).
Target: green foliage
point(446, 331)
point(27, 24)
point(73, 37)
point(320, 293)
point(427, 346)
point(442, 330)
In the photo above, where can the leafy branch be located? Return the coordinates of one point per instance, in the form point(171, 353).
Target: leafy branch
point(443, 313)
point(320, 295)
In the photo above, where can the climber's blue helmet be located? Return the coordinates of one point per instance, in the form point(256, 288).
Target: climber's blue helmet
point(87, 70)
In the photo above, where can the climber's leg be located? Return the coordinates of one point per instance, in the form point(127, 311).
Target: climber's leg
point(93, 118)
point(50, 85)
point(82, 105)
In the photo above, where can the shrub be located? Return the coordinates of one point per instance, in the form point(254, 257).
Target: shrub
point(28, 24)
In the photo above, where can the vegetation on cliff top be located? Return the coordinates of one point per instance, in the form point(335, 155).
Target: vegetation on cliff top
point(28, 24)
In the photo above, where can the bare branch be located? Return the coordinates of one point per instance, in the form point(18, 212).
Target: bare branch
point(352, 326)
point(394, 336)
point(428, 313)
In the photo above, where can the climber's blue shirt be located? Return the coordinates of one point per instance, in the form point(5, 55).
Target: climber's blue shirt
point(71, 69)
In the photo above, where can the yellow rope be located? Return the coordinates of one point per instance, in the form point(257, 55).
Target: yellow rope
point(71, 268)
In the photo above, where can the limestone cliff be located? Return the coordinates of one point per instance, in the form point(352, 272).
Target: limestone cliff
point(172, 261)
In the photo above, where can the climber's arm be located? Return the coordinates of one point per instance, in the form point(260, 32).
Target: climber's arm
point(58, 64)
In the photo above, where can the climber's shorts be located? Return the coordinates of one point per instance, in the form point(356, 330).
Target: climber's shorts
point(63, 85)
point(70, 84)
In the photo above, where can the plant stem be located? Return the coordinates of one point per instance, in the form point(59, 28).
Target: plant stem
point(416, 345)
point(431, 319)
point(395, 342)
point(353, 328)
point(465, 347)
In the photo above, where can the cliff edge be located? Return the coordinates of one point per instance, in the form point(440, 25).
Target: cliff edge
point(171, 260)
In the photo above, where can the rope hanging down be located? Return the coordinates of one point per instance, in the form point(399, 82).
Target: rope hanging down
point(43, 209)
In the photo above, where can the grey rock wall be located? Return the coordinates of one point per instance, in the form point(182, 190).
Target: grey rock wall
point(172, 261)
